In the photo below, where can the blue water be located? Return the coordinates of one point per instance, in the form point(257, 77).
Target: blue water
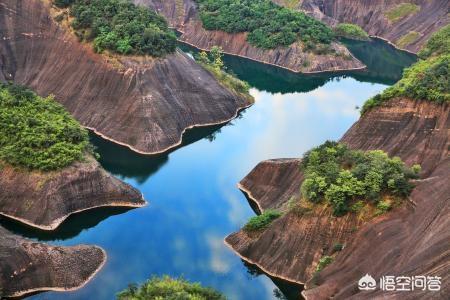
point(193, 200)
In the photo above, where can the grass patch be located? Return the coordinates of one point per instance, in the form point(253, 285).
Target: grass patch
point(262, 221)
point(38, 133)
point(400, 11)
point(343, 178)
point(166, 288)
point(408, 39)
point(351, 31)
point(268, 24)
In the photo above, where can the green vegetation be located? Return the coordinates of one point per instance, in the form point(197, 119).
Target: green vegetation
point(37, 133)
point(439, 43)
point(323, 262)
point(351, 31)
point(408, 39)
point(262, 221)
point(268, 24)
point(120, 26)
point(167, 288)
point(338, 247)
point(400, 11)
point(341, 177)
point(425, 80)
point(213, 62)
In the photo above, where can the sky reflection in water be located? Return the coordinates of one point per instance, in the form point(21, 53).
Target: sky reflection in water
point(192, 194)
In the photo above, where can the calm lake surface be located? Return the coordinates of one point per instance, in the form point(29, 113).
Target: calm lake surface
point(192, 194)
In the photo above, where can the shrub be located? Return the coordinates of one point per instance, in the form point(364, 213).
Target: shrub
point(262, 221)
point(213, 62)
point(120, 26)
point(346, 179)
point(400, 11)
point(37, 133)
point(351, 31)
point(268, 24)
point(338, 247)
point(323, 262)
point(439, 43)
point(167, 288)
point(383, 207)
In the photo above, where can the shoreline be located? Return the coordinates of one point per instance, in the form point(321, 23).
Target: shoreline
point(260, 267)
point(57, 222)
point(282, 67)
point(173, 146)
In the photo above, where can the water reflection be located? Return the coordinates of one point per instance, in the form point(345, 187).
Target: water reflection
point(384, 65)
point(123, 163)
point(70, 228)
point(193, 200)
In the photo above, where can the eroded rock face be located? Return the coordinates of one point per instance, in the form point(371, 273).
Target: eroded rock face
point(28, 267)
point(183, 15)
point(370, 15)
point(141, 102)
point(411, 240)
point(45, 200)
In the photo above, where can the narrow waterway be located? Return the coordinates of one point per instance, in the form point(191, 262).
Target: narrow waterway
point(192, 194)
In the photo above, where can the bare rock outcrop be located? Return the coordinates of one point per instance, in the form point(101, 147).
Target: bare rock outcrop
point(371, 15)
point(45, 200)
point(140, 102)
point(183, 15)
point(29, 267)
point(410, 240)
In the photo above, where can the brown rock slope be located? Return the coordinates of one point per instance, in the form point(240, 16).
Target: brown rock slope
point(411, 240)
point(183, 15)
point(28, 267)
point(143, 103)
point(371, 15)
point(45, 200)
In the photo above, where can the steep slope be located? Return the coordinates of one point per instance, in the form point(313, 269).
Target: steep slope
point(45, 200)
point(410, 240)
point(183, 15)
point(28, 267)
point(141, 102)
point(410, 31)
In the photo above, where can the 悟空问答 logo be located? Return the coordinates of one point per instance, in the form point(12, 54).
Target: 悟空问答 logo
point(367, 283)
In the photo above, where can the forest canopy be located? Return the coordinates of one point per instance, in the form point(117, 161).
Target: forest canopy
point(120, 26)
point(167, 288)
point(268, 24)
point(343, 177)
point(37, 133)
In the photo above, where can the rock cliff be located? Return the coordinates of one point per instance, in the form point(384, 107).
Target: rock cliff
point(29, 267)
point(141, 102)
point(410, 240)
point(45, 200)
point(371, 15)
point(183, 15)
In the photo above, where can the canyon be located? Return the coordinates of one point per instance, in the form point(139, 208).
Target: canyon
point(409, 240)
point(143, 103)
point(371, 16)
point(184, 17)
